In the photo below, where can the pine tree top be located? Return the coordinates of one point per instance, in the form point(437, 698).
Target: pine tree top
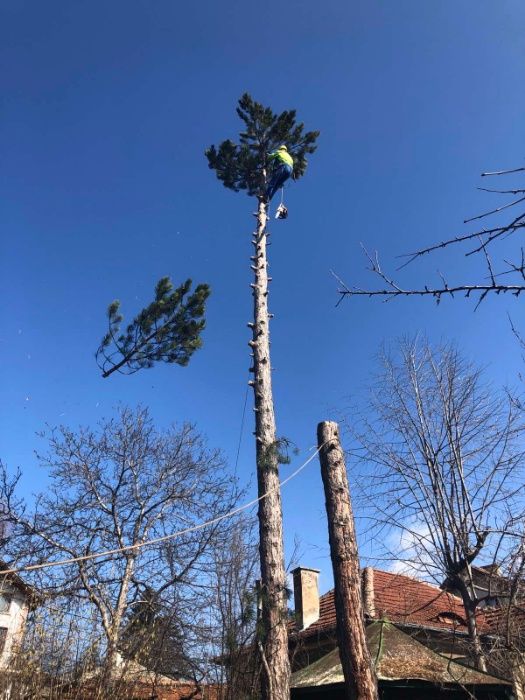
point(242, 166)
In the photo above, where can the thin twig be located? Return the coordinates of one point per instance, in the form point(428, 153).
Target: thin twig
point(488, 189)
point(494, 211)
point(503, 172)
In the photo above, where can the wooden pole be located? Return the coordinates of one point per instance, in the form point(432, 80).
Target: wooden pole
point(360, 679)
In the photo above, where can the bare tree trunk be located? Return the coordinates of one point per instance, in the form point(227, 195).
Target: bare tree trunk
point(274, 635)
point(360, 679)
point(473, 632)
point(109, 675)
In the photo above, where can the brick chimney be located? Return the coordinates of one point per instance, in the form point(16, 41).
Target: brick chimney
point(306, 596)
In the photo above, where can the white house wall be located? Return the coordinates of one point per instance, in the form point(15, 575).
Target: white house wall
point(13, 620)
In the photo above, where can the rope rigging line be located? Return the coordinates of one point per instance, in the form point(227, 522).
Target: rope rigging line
point(164, 538)
point(241, 430)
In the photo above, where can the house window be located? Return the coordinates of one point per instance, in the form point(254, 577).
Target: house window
point(5, 602)
point(3, 635)
point(450, 618)
point(490, 602)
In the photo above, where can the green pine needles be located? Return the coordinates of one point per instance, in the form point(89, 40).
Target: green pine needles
point(168, 330)
point(243, 166)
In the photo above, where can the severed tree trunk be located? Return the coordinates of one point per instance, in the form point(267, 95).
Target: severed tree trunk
point(360, 679)
point(274, 634)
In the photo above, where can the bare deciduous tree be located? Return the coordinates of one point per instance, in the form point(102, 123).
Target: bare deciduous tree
point(234, 571)
point(113, 489)
point(446, 466)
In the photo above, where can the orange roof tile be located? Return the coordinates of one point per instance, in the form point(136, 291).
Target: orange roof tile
point(402, 599)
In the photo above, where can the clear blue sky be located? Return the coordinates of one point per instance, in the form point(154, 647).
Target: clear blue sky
point(106, 109)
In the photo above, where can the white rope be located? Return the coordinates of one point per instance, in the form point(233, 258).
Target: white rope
point(165, 538)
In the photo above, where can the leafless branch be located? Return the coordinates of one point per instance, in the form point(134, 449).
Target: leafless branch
point(392, 289)
point(486, 237)
point(503, 172)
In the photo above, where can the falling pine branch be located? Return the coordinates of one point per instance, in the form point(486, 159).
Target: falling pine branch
point(167, 330)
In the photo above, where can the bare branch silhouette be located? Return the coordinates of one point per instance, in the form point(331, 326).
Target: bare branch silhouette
point(483, 240)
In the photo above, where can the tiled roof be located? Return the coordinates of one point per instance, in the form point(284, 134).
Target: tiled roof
point(13, 579)
point(146, 691)
point(402, 599)
point(504, 621)
point(395, 656)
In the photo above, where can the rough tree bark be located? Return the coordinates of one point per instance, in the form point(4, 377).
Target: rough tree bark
point(274, 634)
point(470, 605)
point(360, 680)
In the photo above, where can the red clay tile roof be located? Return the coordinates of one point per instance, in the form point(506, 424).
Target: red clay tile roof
point(402, 599)
point(146, 691)
point(502, 621)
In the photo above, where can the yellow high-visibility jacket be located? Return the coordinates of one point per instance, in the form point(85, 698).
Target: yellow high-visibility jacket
point(282, 156)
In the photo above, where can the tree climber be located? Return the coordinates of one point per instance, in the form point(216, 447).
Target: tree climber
point(282, 170)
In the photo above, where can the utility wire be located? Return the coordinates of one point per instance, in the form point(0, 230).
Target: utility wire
point(165, 538)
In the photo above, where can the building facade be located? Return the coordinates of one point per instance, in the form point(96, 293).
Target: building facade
point(16, 600)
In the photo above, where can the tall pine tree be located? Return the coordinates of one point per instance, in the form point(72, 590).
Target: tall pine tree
point(245, 166)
